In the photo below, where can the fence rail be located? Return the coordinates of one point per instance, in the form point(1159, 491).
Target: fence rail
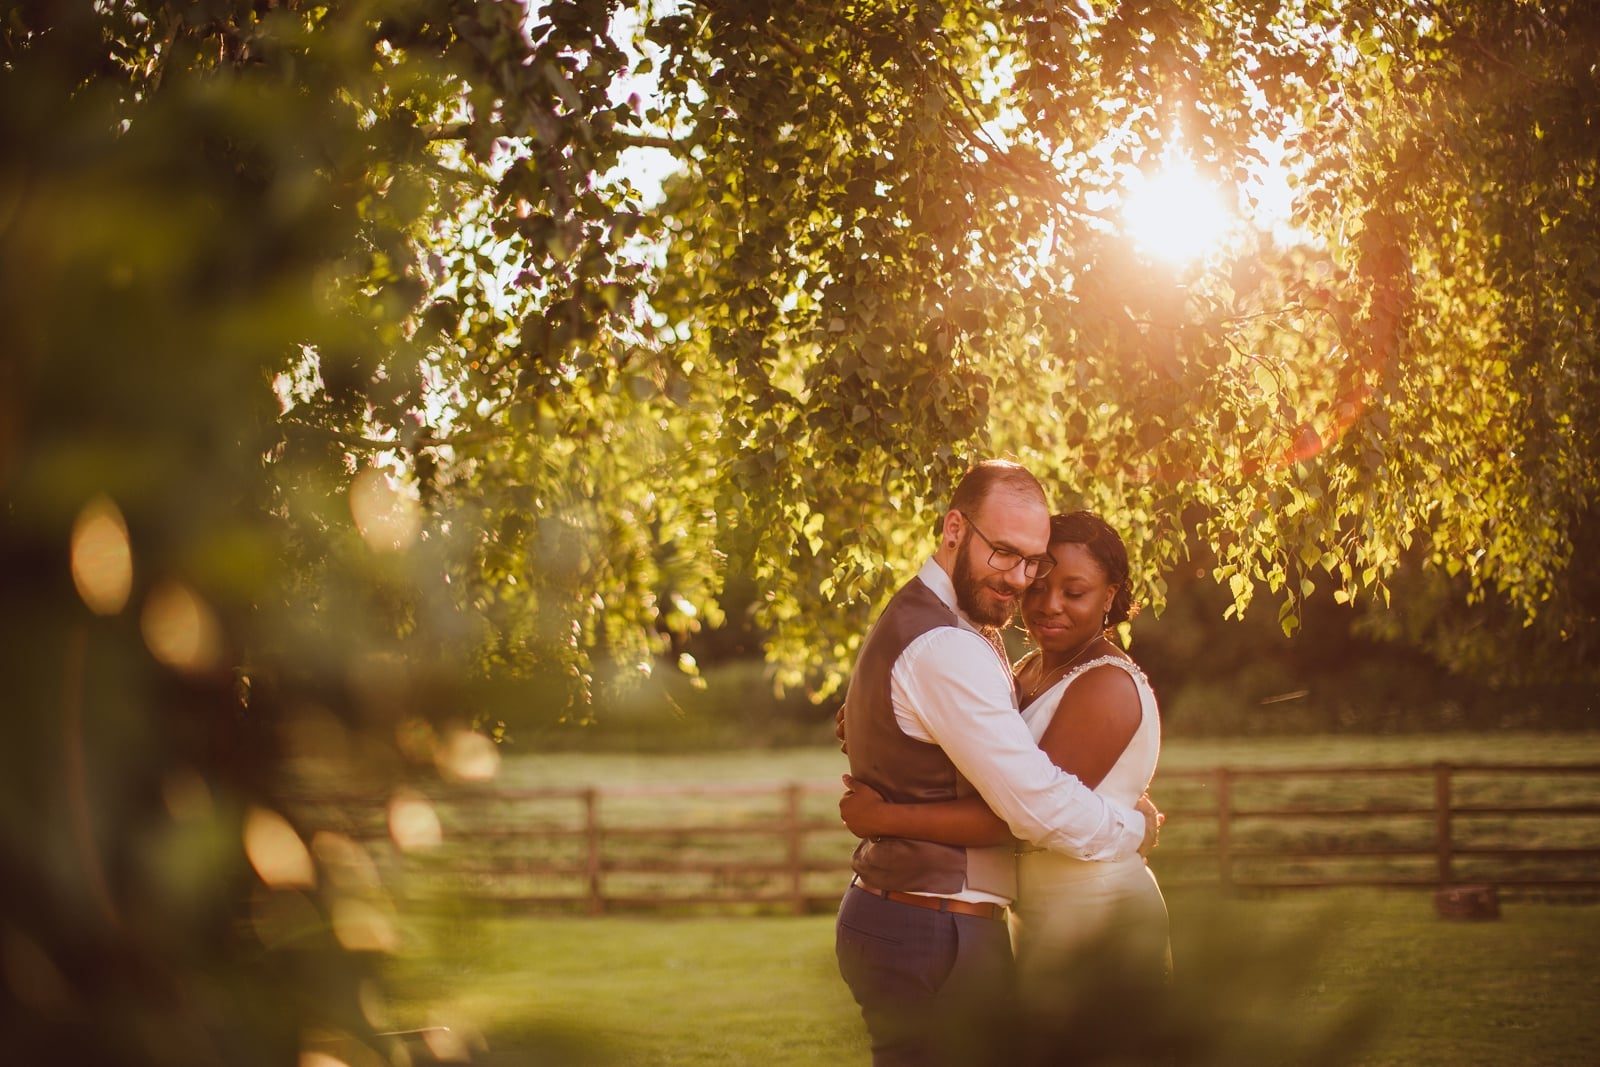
point(1237, 828)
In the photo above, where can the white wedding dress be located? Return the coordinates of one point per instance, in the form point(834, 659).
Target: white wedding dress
point(1064, 902)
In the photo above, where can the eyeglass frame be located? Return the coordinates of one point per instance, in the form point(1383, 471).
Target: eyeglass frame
point(1042, 565)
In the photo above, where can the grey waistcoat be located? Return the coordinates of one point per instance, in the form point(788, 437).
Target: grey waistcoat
point(906, 770)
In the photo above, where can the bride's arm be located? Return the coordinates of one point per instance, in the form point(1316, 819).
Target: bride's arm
point(1097, 717)
point(947, 822)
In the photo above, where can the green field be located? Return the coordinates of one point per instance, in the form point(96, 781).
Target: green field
point(1282, 970)
point(764, 990)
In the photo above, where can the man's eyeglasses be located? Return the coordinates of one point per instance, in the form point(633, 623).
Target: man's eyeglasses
point(1004, 559)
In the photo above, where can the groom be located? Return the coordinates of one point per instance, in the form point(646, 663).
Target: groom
point(931, 715)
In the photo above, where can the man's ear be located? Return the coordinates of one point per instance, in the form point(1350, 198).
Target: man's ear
point(950, 533)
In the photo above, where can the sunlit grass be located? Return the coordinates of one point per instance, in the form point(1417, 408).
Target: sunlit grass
point(630, 990)
point(733, 990)
point(719, 991)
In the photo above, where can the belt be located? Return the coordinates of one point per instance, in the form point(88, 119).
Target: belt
point(957, 907)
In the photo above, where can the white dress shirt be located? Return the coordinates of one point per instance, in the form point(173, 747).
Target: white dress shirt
point(952, 688)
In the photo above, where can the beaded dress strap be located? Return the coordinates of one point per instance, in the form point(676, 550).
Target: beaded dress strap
point(1100, 661)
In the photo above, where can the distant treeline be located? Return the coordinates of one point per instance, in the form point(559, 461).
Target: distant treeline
point(1214, 677)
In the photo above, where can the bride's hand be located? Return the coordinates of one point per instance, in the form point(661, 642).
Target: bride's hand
point(860, 807)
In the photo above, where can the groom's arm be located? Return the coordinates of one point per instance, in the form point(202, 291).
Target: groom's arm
point(952, 685)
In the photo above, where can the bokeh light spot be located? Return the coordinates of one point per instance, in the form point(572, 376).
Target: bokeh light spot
point(320, 1059)
point(180, 629)
point(347, 864)
point(284, 919)
point(187, 796)
point(467, 756)
point(276, 851)
point(374, 1007)
point(31, 975)
point(416, 739)
point(445, 1045)
point(102, 561)
point(361, 926)
point(413, 823)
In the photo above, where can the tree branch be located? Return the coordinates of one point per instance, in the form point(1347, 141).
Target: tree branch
point(1040, 183)
point(650, 140)
point(453, 132)
point(458, 131)
point(361, 443)
point(766, 30)
point(784, 43)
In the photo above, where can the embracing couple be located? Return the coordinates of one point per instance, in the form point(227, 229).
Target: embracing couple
point(972, 814)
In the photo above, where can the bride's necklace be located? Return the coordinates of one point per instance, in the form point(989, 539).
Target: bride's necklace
point(1049, 677)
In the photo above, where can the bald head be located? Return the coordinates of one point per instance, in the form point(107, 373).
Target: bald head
point(990, 477)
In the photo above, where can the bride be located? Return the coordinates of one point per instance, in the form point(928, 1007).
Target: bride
point(1091, 709)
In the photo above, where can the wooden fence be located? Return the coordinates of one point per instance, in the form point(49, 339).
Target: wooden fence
point(1539, 844)
point(1515, 826)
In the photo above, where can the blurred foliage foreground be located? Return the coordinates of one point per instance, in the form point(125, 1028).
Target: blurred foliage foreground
point(342, 367)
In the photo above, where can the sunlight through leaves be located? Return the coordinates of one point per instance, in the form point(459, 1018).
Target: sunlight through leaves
point(1175, 214)
point(387, 519)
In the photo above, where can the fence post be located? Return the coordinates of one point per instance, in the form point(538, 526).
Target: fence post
point(797, 871)
point(1441, 819)
point(1224, 827)
point(595, 904)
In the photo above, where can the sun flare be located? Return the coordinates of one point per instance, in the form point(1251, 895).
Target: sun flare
point(1175, 214)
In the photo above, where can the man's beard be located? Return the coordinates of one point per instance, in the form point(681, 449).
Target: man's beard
point(968, 587)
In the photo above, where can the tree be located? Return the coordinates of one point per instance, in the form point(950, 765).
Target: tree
point(1489, 165)
point(912, 262)
point(347, 367)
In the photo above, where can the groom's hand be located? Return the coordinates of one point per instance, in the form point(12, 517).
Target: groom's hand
point(1152, 824)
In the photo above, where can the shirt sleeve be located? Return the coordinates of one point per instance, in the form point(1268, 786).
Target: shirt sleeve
point(951, 688)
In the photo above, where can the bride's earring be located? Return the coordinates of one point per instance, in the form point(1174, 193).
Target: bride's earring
point(1105, 622)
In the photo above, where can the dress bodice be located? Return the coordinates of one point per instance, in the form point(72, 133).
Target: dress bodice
point(1130, 776)
point(1065, 903)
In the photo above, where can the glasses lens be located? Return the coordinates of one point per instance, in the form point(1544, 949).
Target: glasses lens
point(1038, 568)
point(1001, 560)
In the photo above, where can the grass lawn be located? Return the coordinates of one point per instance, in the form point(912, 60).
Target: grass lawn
point(637, 991)
point(764, 991)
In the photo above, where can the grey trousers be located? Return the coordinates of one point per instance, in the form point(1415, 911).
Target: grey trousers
point(915, 971)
